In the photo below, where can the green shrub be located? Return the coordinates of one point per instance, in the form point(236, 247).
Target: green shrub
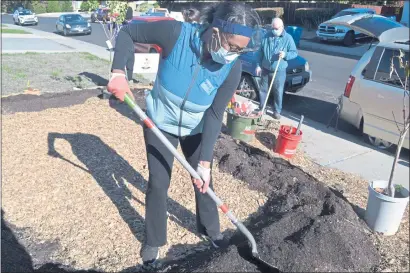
point(66, 6)
point(94, 4)
point(37, 7)
point(267, 14)
point(85, 6)
point(53, 6)
point(144, 7)
point(311, 18)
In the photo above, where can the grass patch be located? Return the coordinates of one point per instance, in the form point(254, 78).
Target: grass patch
point(14, 31)
point(15, 73)
point(91, 57)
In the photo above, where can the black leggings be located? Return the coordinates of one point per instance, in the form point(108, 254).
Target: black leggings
point(160, 162)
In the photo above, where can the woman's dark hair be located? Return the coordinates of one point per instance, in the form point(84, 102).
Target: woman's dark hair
point(233, 12)
point(191, 15)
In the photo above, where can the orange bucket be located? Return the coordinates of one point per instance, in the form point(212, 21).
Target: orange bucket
point(287, 141)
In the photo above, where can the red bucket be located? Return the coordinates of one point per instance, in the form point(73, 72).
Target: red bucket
point(287, 141)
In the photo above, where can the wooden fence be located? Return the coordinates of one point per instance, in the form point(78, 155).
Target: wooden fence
point(290, 8)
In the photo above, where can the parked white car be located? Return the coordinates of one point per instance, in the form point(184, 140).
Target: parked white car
point(341, 33)
point(25, 17)
point(373, 100)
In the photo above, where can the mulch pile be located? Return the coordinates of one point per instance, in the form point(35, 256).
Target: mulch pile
point(303, 227)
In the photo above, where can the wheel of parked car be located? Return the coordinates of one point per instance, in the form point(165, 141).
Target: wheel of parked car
point(349, 39)
point(247, 88)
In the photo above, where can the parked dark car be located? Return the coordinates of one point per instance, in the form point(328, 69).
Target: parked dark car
point(101, 14)
point(73, 24)
point(298, 74)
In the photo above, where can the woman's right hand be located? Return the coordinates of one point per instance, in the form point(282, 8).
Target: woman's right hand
point(118, 86)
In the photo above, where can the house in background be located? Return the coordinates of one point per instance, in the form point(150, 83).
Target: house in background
point(76, 5)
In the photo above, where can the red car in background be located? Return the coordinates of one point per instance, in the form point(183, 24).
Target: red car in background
point(148, 48)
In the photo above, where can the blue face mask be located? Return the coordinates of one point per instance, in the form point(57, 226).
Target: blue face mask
point(277, 32)
point(223, 56)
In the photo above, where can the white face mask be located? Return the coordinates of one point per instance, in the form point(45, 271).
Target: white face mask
point(277, 32)
point(222, 55)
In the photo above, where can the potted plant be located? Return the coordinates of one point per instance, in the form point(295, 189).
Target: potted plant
point(388, 201)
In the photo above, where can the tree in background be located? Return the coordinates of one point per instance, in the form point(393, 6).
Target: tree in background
point(119, 8)
point(66, 5)
point(144, 7)
point(94, 4)
point(38, 7)
point(53, 6)
point(85, 6)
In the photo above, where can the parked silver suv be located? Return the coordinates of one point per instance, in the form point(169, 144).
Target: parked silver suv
point(373, 97)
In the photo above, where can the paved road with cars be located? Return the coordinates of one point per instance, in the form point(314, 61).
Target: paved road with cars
point(316, 101)
point(48, 24)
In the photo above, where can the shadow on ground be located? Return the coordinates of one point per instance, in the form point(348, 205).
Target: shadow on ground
point(15, 258)
point(96, 79)
point(111, 172)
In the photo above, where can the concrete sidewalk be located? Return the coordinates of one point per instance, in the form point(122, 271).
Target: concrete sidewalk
point(57, 14)
point(22, 43)
point(69, 43)
point(336, 149)
point(64, 42)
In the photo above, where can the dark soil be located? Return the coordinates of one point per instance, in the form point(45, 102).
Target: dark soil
point(304, 226)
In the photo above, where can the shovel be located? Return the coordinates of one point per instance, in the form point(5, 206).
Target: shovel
point(270, 87)
point(223, 207)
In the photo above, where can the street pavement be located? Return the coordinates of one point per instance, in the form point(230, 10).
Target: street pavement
point(18, 43)
point(317, 102)
point(48, 24)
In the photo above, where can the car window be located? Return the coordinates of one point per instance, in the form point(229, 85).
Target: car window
point(61, 19)
point(384, 69)
point(72, 18)
point(25, 12)
point(343, 13)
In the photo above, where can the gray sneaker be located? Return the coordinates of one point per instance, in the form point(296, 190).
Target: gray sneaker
point(149, 254)
point(276, 116)
point(218, 241)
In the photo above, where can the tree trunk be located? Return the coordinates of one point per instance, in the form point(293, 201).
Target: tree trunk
point(390, 188)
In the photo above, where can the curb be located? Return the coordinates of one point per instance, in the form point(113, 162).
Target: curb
point(57, 14)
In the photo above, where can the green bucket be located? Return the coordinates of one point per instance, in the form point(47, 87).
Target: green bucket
point(242, 128)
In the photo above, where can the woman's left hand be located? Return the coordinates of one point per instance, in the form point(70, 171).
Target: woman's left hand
point(205, 173)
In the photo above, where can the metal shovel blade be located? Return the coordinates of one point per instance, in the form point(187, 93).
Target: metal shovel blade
point(264, 266)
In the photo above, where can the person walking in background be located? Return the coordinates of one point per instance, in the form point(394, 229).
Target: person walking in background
point(277, 46)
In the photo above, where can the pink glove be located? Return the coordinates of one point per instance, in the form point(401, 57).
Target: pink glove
point(118, 86)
